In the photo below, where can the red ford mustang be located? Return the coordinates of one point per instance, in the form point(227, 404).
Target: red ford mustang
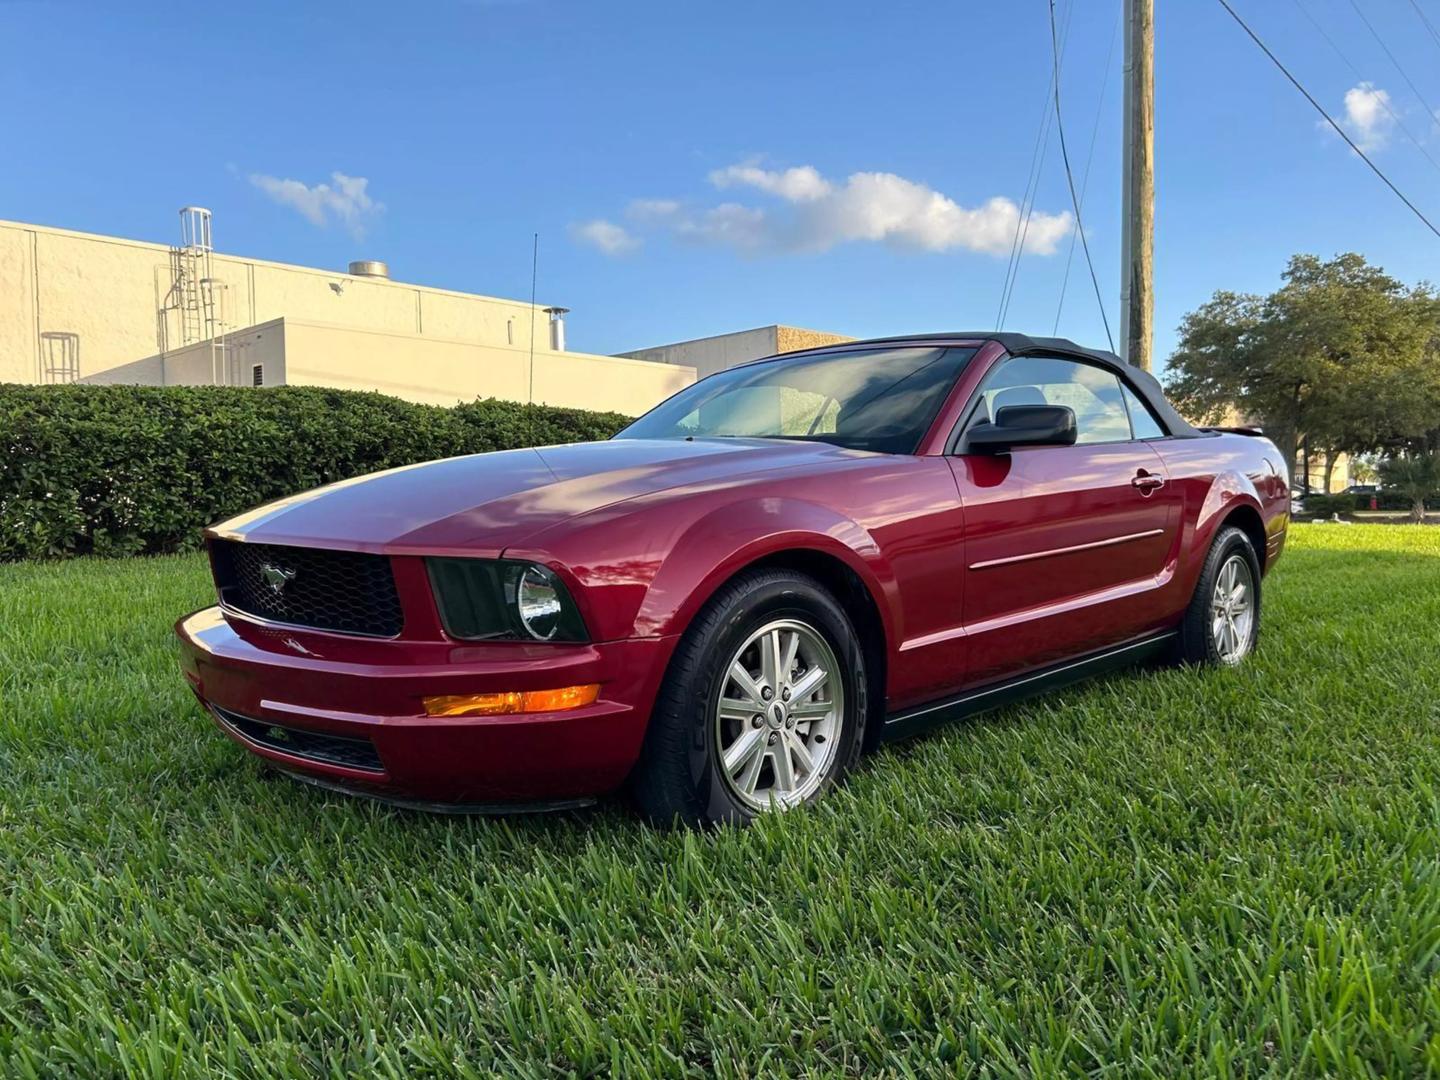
point(724, 606)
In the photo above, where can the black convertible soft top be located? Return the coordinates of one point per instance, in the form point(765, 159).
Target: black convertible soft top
point(1142, 382)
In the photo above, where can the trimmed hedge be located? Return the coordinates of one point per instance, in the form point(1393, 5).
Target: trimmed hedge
point(1320, 505)
point(120, 470)
point(1324, 505)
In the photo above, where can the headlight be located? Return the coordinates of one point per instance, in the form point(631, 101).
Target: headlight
point(492, 599)
point(538, 601)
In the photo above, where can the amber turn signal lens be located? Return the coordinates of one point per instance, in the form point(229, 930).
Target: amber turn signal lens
point(512, 701)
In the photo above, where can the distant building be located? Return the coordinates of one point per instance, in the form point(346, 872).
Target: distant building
point(1311, 473)
point(711, 354)
point(77, 307)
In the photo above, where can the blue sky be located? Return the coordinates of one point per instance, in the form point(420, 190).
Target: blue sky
point(833, 165)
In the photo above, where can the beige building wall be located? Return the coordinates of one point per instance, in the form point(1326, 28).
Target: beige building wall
point(427, 370)
point(795, 338)
point(439, 372)
point(149, 371)
point(109, 293)
point(1314, 467)
point(19, 344)
point(195, 365)
point(711, 354)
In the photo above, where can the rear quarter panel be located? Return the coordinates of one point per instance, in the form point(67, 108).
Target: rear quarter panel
point(1219, 475)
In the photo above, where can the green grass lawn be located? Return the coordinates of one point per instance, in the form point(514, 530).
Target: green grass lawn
point(1224, 873)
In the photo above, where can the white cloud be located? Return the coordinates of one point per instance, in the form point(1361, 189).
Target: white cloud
point(744, 228)
point(801, 184)
point(1368, 116)
point(345, 199)
point(652, 209)
point(815, 214)
point(604, 236)
point(890, 208)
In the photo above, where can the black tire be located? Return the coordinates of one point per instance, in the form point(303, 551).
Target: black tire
point(1197, 644)
point(678, 777)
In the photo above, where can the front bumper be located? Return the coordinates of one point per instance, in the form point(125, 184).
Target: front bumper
point(347, 711)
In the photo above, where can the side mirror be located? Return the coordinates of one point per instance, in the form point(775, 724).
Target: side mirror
point(1023, 425)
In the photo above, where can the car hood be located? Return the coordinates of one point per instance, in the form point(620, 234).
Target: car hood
point(485, 503)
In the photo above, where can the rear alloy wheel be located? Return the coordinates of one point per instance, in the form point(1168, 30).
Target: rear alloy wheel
point(762, 708)
point(1222, 623)
point(1232, 610)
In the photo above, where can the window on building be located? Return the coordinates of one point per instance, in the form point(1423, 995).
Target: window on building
point(257, 375)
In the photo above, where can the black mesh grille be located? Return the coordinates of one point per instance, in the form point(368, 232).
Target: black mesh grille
point(311, 745)
point(330, 590)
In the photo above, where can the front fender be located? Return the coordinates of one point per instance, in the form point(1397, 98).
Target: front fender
point(646, 571)
point(724, 541)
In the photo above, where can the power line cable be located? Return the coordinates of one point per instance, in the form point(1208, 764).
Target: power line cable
point(1020, 214)
point(1089, 160)
point(1328, 118)
point(1383, 98)
point(1032, 191)
point(1028, 213)
point(1434, 34)
point(1032, 180)
point(1034, 194)
point(1070, 179)
point(1022, 218)
point(1429, 110)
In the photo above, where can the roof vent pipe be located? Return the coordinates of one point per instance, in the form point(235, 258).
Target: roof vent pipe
point(557, 327)
point(369, 268)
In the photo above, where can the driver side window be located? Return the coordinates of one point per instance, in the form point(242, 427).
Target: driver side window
point(1093, 393)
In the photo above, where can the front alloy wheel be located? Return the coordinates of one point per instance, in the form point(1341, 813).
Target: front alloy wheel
point(763, 706)
point(779, 715)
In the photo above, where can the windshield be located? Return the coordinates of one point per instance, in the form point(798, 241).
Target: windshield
point(872, 399)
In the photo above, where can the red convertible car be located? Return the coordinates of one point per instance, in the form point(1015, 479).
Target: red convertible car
point(724, 606)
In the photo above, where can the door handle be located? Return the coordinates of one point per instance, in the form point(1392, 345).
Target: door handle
point(1147, 482)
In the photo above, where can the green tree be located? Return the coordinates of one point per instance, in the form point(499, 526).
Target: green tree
point(1363, 469)
point(1416, 476)
point(1341, 353)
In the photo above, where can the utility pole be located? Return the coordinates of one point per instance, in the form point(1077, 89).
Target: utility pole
point(1137, 298)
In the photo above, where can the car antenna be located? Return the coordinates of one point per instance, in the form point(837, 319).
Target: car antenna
point(534, 273)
